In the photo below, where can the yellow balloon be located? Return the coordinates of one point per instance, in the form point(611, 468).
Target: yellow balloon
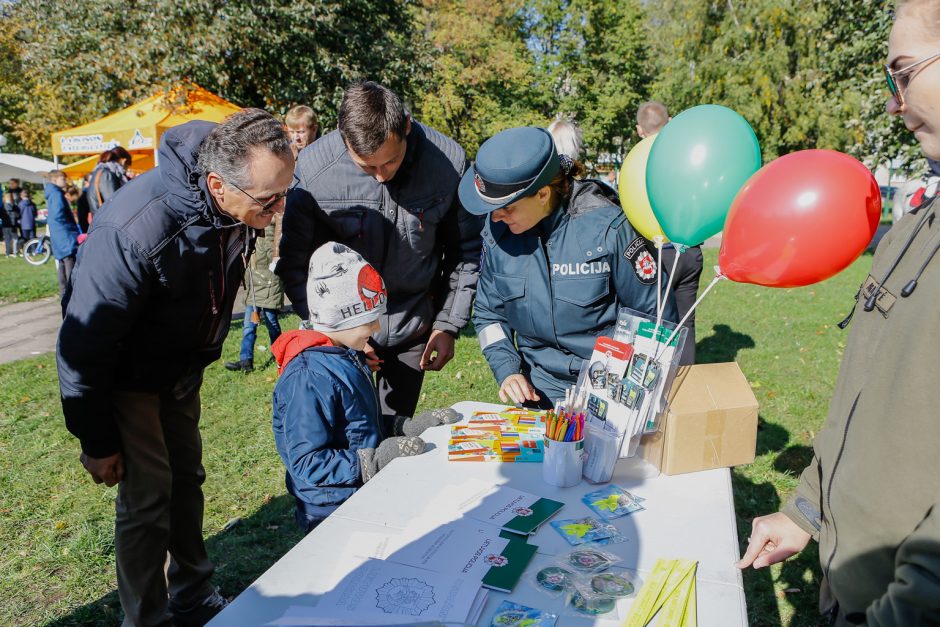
point(633, 197)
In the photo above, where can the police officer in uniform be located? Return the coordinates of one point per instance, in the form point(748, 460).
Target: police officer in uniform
point(559, 260)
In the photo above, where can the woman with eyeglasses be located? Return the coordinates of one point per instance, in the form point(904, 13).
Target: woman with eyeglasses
point(871, 495)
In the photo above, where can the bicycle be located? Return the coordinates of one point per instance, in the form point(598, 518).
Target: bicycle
point(38, 250)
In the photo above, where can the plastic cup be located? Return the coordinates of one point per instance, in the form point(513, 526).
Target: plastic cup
point(563, 462)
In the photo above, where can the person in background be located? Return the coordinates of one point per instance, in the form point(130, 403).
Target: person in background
point(568, 137)
point(651, 117)
point(302, 127)
point(326, 418)
point(264, 297)
point(386, 186)
point(148, 308)
point(27, 217)
point(8, 225)
point(109, 175)
point(15, 190)
point(82, 205)
point(869, 496)
point(560, 259)
point(63, 231)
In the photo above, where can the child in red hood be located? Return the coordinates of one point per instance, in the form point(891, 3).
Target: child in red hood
point(326, 410)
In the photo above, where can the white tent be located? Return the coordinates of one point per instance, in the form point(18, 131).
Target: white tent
point(24, 168)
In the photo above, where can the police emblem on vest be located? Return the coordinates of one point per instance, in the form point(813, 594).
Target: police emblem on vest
point(644, 266)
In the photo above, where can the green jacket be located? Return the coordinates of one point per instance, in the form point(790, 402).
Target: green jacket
point(871, 496)
point(264, 287)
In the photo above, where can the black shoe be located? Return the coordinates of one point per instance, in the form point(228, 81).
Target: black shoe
point(245, 365)
point(201, 613)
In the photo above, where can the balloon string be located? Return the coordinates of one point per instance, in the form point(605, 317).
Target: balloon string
point(672, 273)
point(718, 277)
point(658, 240)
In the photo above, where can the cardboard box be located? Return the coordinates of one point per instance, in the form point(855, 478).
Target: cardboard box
point(711, 422)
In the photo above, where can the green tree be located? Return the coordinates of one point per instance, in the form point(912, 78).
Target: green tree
point(593, 57)
point(481, 77)
point(15, 89)
point(96, 57)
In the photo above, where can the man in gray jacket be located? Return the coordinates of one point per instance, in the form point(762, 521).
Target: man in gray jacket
point(386, 186)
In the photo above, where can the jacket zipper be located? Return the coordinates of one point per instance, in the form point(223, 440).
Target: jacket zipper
point(832, 475)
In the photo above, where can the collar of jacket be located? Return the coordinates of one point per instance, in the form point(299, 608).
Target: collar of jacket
point(413, 143)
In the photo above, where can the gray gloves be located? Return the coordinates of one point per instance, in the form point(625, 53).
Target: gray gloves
point(372, 460)
point(416, 426)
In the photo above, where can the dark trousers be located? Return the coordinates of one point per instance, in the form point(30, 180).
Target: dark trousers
point(684, 286)
point(26, 235)
point(9, 240)
point(159, 507)
point(64, 268)
point(399, 380)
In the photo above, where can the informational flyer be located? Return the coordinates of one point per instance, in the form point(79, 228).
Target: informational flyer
point(386, 593)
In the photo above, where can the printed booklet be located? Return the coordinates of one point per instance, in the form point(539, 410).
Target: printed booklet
point(510, 509)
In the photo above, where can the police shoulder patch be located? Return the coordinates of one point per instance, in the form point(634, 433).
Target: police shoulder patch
point(644, 266)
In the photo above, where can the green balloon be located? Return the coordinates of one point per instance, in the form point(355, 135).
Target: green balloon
point(698, 162)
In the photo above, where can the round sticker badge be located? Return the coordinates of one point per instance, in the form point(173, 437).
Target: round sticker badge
point(593, 607)
point(588, 560)
point(553, 578)
point(612, 585)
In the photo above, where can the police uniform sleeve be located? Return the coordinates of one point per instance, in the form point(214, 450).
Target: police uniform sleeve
point(461, 244)
point(913, 598)
point(493, 330)
point(110, 286)
point(307, 409)
point(634, 271)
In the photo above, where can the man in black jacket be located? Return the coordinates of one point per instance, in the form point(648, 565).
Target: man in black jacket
point(148, 309)
point(386, 186)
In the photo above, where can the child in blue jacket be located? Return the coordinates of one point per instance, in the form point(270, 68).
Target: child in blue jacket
point(326, 410)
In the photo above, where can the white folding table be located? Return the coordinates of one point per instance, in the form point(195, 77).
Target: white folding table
point(687, 516)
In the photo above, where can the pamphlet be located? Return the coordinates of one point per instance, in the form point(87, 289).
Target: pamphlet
point(462, 548)
point(385, 593)
point(510, 509)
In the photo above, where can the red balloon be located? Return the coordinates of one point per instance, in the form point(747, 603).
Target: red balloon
point(800, 219)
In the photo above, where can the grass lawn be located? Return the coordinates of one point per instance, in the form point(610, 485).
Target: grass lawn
point(20, 281)
point(57, 566)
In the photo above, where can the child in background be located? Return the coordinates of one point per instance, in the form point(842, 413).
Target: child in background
point(326, 410)
point(27, 217)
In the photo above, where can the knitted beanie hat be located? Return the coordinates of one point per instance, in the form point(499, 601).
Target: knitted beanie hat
point(343, 290)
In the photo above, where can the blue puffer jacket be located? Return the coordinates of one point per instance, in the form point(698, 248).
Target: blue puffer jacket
point(325, 409)
point(151, 294)
point(546, 295)
point(62, 228)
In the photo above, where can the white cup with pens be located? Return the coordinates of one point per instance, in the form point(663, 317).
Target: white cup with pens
point(563, 460)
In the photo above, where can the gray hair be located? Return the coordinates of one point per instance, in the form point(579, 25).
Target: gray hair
point(569, 140)
point(369, 114)
point(227, 149)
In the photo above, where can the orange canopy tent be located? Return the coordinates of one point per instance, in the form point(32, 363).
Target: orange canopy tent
point(138, 128)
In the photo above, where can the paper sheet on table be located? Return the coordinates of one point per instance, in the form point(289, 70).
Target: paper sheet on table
point(384, 593)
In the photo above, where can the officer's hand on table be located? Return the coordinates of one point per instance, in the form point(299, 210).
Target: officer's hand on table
point(107, 470)
point(517, 388)
point(441, 343)
point(773, 539)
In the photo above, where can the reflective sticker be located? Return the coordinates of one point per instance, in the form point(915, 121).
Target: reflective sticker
point(491, 334)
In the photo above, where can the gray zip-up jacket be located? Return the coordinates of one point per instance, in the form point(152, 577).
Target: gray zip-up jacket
point(412, 229)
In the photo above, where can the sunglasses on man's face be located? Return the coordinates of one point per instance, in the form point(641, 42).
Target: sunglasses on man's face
point(898, 79)
point(276, 198)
